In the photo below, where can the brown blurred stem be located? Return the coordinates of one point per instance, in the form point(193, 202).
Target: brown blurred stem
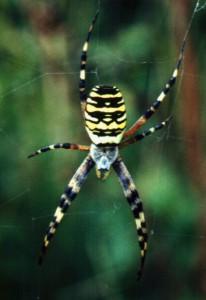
point(190, 111)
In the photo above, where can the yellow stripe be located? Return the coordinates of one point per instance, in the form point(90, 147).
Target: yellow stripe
point(82, 75)
point(52, 230)
point(175, 73)
point(122, 125)
point(104, 139)
point(121, 118)
point(92, 108)
point(103, 126)
point(46, 242)
point(141, 215)
point(90, 125)
point(58, 214)
point(89, 117)
point(89, 100)
point(107, 119)
point(85, 47)
point(161, 97)
point(138, 223)
point(105, 96)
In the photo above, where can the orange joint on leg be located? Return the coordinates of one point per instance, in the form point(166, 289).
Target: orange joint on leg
point(135, 127)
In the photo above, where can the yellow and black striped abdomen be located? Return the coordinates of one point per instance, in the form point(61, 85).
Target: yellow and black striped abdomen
point(105, 115)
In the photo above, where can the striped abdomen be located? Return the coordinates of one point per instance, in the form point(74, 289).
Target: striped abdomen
point(105, 115)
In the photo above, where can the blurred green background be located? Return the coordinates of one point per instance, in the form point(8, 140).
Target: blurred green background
point(95, 253)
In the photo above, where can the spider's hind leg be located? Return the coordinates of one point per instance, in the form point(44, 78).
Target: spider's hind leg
point(136, 206)
point(66, 199)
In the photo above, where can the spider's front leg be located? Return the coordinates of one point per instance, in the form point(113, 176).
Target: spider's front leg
point(66, 199)
point(136, 206)
point(83, 64)
point(156, 104)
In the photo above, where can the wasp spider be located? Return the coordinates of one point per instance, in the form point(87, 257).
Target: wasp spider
point(104, 113)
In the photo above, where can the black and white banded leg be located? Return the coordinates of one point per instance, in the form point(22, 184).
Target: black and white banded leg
point(156, 104)
point(66, 199)
point(83, 63)
point(136, 206)
point(141, 136)
point(67, 146)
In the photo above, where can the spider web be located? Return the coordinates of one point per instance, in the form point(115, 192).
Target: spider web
point(95, 252)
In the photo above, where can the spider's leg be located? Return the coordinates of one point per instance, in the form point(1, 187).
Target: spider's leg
point(66, 199)
point(136, 206)
point(67, 146)
point(82, 82)
point(141, 136)
point(156, 104)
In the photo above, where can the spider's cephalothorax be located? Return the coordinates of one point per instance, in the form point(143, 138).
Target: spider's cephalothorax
point(105, 121)
point(105, 115)
point(103, 157)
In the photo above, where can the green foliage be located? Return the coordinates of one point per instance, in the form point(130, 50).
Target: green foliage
point(95, 253)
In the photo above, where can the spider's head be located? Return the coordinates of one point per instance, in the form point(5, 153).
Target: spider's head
point(103, 157)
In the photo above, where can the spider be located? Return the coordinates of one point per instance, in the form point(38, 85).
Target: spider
point(104, 114)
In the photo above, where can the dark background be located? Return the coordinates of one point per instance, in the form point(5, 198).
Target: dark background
point(95, 253)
